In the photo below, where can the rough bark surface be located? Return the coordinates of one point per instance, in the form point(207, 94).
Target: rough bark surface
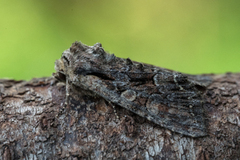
point(35, 125)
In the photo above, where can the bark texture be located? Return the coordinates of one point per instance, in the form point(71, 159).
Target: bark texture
point(35, 125)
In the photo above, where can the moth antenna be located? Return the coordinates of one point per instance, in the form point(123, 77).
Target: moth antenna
point(77, 47)
point(114, 109)
point(129, 61)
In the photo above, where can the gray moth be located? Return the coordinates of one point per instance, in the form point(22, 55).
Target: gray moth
point(170, 99)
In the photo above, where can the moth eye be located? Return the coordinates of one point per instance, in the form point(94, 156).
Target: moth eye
point(66, 60)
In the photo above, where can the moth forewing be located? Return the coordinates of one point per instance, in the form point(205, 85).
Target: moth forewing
point(177, 120)
point(167, 98)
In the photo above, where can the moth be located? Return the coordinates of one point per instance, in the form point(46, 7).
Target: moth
point(170, 99)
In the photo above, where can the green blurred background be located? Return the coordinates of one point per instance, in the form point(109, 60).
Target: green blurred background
point(187, 36)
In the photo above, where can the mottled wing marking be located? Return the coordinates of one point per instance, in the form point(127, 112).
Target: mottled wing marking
point(170, 99)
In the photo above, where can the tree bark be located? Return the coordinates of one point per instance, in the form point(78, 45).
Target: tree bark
point(34, 124)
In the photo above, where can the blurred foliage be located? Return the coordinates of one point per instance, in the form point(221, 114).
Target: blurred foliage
point(188, 36)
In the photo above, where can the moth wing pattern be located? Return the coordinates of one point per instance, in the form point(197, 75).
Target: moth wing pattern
point(170, 99)
point(170, 110)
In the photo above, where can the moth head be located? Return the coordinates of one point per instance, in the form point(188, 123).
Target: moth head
point(59, 67)
point(62, 66)
point(81, 59)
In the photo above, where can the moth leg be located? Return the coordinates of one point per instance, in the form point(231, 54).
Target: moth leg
point(114, 109)
point(67, 95)
point(66, 104)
